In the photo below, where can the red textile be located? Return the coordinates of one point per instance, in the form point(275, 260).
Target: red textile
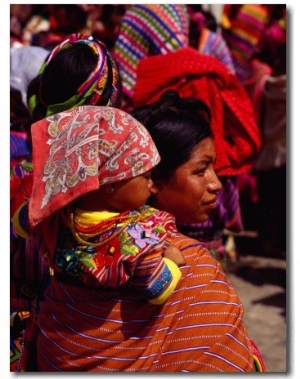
point(236, 134)
point(78, 150)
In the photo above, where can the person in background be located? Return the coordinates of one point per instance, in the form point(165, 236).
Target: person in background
point(242, 28)
point(62, 84)
point(267, 89)
point(50, 24)
point(147, 30)
point(256, 35)
point(25, 62)
point(204, 37)
point(20, 14)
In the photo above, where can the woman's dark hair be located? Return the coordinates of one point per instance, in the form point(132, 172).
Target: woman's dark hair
point(177, 125)
point(64, 75)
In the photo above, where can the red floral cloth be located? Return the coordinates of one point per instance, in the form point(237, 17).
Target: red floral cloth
point(76, 151)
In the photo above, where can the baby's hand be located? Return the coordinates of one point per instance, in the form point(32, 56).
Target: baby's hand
point(174, 255)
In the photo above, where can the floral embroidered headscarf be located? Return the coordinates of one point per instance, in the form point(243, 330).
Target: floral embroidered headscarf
point(76, 151)
point(94, 86)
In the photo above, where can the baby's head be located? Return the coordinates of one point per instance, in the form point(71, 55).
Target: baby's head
point(125, 195)
point(97, 154)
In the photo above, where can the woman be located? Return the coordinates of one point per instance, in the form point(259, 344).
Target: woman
point(181, 130)
point(200, 326)
point(185, 183)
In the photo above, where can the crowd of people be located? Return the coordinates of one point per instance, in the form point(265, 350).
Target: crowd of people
point(142, 139)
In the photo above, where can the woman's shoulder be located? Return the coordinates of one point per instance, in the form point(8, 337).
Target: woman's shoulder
point(184, 242)
point(200, 263)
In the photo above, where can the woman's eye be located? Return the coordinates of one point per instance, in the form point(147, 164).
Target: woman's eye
point(201, 171)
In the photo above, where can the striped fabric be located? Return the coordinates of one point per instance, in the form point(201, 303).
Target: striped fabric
point(199, 328)
point(148, 30)
point(211, 43)
point(245, 34)
point(28, 270)
point(19, 146)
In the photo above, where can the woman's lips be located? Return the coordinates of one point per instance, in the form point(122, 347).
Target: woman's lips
point(211, 204)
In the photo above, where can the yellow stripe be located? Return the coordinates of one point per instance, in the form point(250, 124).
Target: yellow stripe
point(248, 37)
point(257, 12)
point(88, 217)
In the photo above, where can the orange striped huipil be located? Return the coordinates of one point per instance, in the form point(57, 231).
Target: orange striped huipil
point(199, 328)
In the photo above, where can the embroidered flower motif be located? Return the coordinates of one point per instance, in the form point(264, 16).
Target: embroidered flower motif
point(141, 236)
point(74, 261)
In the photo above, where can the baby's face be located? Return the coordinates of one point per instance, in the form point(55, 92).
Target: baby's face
point(132, 193)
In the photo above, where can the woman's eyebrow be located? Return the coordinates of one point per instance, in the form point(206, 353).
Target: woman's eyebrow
point(205, 159)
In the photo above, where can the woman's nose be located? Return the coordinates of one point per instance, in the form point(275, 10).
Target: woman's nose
point(214, 185)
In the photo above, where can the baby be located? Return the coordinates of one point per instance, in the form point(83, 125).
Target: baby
point(91, 181)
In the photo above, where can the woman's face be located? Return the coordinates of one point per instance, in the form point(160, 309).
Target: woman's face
point(191, 193)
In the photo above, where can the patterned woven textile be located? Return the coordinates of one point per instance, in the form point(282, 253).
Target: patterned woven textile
point(199, 328)
point(148, 30)
point(244, 35)
point(127, 247)
point(19, 146)
point(211, 43)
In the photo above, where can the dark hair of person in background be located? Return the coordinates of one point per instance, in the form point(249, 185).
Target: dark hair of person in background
point(194, 32)
point(176, 125)
point(64, 75)
point(70, 18)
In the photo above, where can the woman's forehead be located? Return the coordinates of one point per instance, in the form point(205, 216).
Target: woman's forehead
point(205, 149)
